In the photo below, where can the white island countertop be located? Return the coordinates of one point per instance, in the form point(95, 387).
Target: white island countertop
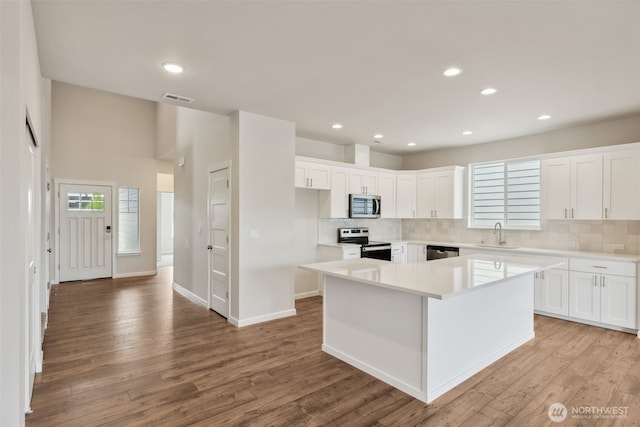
point(439, 279)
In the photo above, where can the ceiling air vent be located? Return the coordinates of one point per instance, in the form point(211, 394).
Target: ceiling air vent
point(177, 98)
point(379, 141)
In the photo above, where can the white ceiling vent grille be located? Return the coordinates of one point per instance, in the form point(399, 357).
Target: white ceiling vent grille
point(177, 98)
point(379, 141)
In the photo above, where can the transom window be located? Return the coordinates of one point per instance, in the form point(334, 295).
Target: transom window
point(507, 193)
point(85, 202)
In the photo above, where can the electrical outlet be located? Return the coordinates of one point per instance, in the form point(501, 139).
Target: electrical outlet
point(618, 247)
point(572, 244)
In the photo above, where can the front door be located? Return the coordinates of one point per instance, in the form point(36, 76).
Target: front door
point(85, 232)
point(219, 241)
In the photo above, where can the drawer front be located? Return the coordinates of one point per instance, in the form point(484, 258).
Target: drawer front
point(350, 253)
point(598, 266)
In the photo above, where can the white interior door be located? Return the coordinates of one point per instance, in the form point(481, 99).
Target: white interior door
point(219, 241)
point(85, 232)
point(32, 311)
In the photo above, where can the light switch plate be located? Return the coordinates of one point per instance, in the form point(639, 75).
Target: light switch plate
point(254, 234)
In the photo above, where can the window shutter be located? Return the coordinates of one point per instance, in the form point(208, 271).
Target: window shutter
point(488, 194)
point(523, 194)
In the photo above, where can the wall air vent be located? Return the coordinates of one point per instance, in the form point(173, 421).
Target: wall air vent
point(177, 98)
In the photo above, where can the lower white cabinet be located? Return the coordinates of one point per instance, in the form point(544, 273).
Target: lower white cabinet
point(602, 297)
point(416, 252)
point(338, 252)
point(552, 292)
point(399, 253)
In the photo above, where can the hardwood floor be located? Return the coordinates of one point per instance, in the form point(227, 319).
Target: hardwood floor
point(132, 352)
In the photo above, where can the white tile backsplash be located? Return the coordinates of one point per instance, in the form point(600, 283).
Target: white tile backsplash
point(590, 236)
point(379, 229)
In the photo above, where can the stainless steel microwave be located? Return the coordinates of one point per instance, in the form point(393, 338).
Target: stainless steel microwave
point(364, 206)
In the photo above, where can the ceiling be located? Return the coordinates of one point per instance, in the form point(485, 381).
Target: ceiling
point(373, 66)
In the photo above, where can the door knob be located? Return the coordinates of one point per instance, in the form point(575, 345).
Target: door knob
point(49, 250)
point(209, 247)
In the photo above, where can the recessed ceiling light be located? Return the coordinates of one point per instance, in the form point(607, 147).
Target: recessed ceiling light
point(453, 71)
point(411, 144)
point(488, 91)
point(544, 117)
point(172, 67)
point(467, 132)
point(378, 136)
point(336, 126)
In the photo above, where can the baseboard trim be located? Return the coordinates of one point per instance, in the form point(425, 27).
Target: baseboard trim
point(264, 318)
point(307, 294)
point(135, 274)
point(189, 295)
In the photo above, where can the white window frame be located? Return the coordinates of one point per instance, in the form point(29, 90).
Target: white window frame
point(133, 251)
point(504, 222)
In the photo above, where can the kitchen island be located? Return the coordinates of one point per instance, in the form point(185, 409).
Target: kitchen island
point(426, 327)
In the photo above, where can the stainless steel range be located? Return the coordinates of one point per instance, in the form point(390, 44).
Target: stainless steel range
point(369, 249)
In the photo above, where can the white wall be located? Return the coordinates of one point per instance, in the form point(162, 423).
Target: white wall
point(21, 88)
point(263, 180)
point(165, 223)
point(203, 139)
point(609, 132)
point(327, 151)
point(165, 131)
point(101, 136)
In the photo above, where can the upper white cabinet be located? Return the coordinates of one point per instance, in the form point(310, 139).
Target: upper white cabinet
point(387, 193)
point(572, 187)
point(312, 175)
point(363, 182)
point(335, 203)
point(440, 193)
point(405, 195)
point(595, 186)
point(621, 185)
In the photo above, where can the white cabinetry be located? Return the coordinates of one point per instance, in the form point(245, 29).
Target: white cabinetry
point(572, 187)
point(335, 203)
point(312, 175)
point(387, 193)
point(399, 253)
point(440, 193)
point(363, 182)
point(406, 195)
point(416, 252)
point(552, 291)
point(603, 291)
point(621, 185)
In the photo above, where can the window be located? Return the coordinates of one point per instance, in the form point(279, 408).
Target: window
point(128, 220)
point(506, 192)
point(85, 202)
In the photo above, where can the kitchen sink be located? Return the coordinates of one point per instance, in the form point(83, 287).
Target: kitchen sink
point(483, 245)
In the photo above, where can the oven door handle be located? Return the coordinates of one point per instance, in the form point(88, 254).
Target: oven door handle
point(376, 248)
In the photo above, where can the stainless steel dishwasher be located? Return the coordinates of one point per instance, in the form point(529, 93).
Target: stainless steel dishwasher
point(438, 252)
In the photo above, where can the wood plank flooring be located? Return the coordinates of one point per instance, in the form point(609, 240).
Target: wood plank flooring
point(132, 352)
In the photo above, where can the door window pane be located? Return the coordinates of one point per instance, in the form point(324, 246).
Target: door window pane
point(85, 202)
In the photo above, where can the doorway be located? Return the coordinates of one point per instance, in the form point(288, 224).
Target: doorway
point(165, 229)
point(85, 227)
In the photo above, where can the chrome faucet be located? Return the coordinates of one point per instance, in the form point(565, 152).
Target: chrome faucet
point(501, 239)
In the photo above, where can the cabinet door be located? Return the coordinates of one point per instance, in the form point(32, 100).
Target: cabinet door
point(444, 195)
point(618, 303)
point(556, 188)
point(301, 175)
point(621, 185)
point(356, 181)
point(387, 193)
point(406, 196)
point(426, 195)
point(319, 176)
point(371, 183)
point(339, 193)
point(584, 296)
point(586, 187)
point(554, 291)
